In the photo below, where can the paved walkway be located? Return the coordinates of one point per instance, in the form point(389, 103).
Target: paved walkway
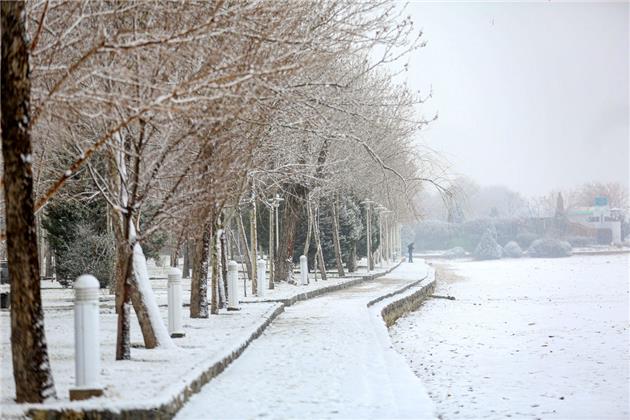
point(328, 357)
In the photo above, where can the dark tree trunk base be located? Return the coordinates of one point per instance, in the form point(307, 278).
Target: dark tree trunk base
point(31, 367)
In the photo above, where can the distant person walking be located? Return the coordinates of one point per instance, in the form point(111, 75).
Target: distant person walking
point(410, 249)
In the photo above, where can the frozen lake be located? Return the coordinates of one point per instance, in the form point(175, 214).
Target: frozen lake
point(533, 338)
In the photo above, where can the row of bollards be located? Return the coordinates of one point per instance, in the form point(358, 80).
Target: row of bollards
point(261, 268)
point(86, 320)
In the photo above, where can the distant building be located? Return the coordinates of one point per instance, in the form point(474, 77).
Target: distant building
point(604, 221)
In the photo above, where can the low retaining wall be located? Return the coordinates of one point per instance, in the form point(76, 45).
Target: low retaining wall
point(394, 310)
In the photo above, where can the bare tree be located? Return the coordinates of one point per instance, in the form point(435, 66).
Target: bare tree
point(31, 366)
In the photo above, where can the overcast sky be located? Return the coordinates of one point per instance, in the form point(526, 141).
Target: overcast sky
point(533, 96)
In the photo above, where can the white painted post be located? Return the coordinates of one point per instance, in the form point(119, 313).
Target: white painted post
point(86, 339)
point(232, 286)
point(175, 327)
point(303, 270)
point(260, 271)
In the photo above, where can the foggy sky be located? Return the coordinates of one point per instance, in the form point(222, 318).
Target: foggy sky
point(533, 96)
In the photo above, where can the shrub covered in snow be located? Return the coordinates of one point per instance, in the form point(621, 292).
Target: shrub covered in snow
point(512, 250)
point(488, 248)
point(525, 239)
point(457, 252)
point(434, 234)
point(581, 241)
point(351, 231)
point(471, 231)
point(549, 248)
point(78, 238)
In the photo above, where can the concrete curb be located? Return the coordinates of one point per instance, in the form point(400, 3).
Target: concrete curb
point(606, 252)
point(396, 309)
point(397, 292)
point(171, 405)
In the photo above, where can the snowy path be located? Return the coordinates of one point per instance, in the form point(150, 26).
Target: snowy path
point(328, 357)
point(529, 338)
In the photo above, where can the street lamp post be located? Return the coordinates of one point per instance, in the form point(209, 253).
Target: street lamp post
point(273, 236)
point(276, 204)
point(272, 245)
point(254, 243)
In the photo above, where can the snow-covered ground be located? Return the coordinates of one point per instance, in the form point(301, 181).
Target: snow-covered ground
point(529, 338)
point(149, 373)
point(152, 375)
point(328, 357)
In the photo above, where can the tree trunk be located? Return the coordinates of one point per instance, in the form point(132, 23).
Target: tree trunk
point(385, 236)
point(224, 262)
point(293, 206)
point(199, 283)
point(123, 295)
point(215, 296)
point(254, 244)
point(111, 282)
point(132, 287)
point(335, 220)
point(244, 244)
point(132, 278)
point(229, 238)
point(153, 329)
point(368, 239)
point(31, 366)
point(177, 249)
point(49, 263)
point(40, 242)
point(174, 256)
point(352, 259)
point(271, 245)
point(186, 264)
point(309, 224)
point(318, 244)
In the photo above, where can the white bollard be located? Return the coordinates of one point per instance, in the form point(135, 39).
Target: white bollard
point(232, 286)
point(261, 266)
point(175, 327)
point(303, 270)
point(86, 339)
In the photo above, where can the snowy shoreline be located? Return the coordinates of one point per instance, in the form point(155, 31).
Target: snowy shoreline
point(539, 338)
